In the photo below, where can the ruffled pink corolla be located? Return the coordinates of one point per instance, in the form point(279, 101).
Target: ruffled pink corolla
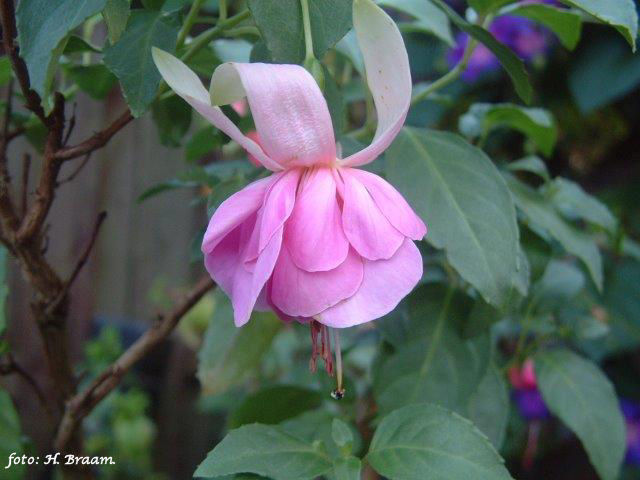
point(318, 239)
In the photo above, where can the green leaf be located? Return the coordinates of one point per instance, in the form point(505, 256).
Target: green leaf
point(43, 26)
point(273, 405)
point(5, 71)
point(202, 143)
point(544, 219)
point(130, 58)
point(347, 468)
point(172, 117)
point(115, 14)
point(335, 102)
point(573, 202)
point(76, 44)
point(579, 393)
point(428, 18)
point(535, 123)
point(341, 433)
point(348, 47)
point(164, 187)
point(280, 23)
point(532, 164)
point(426, 441)
point(508, 59)
point(486, 6)
point(603, 71)
point(265, 450)
point(488, 406)
point(620, 14)
point(439, 368)
point(229, 354)
point(453, 186)
point(96, 80)
point(560, 283)
point(566, 24)
point(10, 437)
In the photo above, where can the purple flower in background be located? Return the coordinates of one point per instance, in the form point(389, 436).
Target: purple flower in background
point(525, 37)
point(631, 411)
point(525, 392)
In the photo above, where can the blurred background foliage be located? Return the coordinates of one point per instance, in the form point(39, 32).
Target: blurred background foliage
point(530, 330)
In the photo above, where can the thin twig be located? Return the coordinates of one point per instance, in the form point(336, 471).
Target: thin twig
point(77, 170)
point(96, 141)
point(81, 262)
point(72, 125)
point(26, 167)
point(10, 366)
point(82, 403)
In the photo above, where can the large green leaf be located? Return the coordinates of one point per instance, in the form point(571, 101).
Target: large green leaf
point(426, 441)
point(130, 57)
point(274, 404)
point(43, 26)
point(280, 23)
point(508, 59)
point(229, 354)
point(560, 283)
point(577, 392)
point(464, 201)
point(535, 123)
point(488, 406)
point(438, 367)
point(10, 437)
point(620, 14)
point(566, 24)
point(115, 14)
point(574, 202)
point(543, 218)
point(603, 71)
point(428, 18)
point(265, 450)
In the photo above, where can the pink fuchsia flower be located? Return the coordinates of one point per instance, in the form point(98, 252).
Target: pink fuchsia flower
point(319, 240)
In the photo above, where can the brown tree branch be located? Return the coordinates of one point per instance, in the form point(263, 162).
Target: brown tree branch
point(83, 403)
point(10, 366)
point(96, 141)
point(9, 33)
point(77, 170)
point(26, 167)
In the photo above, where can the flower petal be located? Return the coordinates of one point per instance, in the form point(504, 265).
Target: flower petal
point(384, 284)
point(388, 76)
point(392, 205)
point(235, 210)
point(186, 83)
point(299, 293)
point(288, 108)
point(367, 229)
point(314, 233)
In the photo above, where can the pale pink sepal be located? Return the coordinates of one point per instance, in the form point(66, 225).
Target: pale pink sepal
point(288, 108)
point(384, 284)
point(388, 76)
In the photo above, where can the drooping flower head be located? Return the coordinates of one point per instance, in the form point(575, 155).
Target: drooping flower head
point(525, 392)
point(319, 240)
point(631, 411)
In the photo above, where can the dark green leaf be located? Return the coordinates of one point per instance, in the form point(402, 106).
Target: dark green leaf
point(428, 18)
point(509, 60)
point(43, 26)
point(453, 186)
point(335, 102)
point(265, 450)
point(426, 441)
point(602, 72)
point(202, 143)
point(531, 164)
point(274, 404)
point(573, 202)
point(10, 437)
point(560, 283)
point(96, 80)
point(544, 219)
point(488, 406)
point(153, 4)
point(487, 6)
point(620, 14)
point(172, 117)
point(230, 354)
point(130, 58)
point(164, 187)
point(577, 392)
point(535, 123)
point(341, 433)
point(5, 71)
point(280, 23)
point(76, 44)
point(566, 24)
point(115, 14)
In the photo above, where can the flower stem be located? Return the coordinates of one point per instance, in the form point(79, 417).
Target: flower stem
point(205, 37)
point(222, 10)
point(308, 39)
point(188, 22)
